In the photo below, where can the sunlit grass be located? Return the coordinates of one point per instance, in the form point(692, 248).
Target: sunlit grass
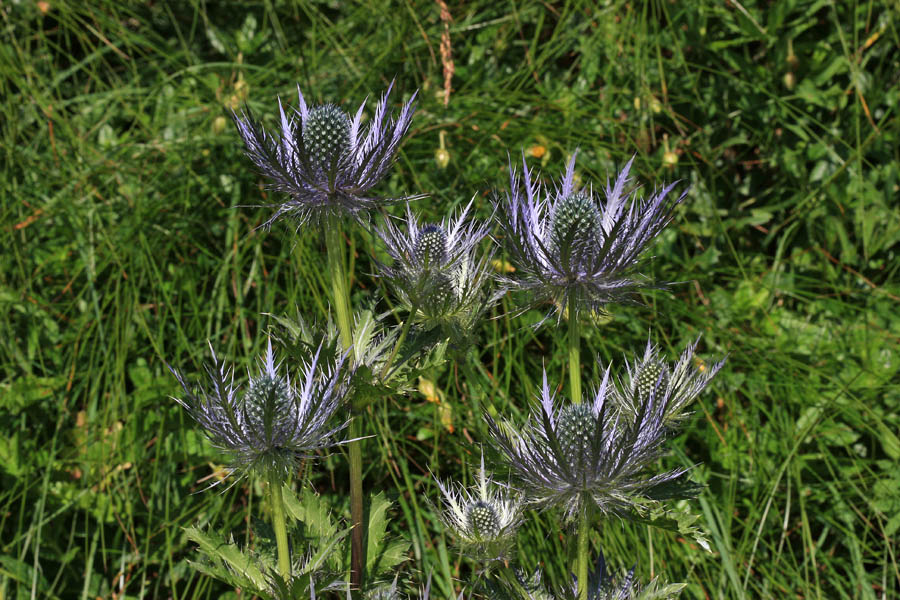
point(125, 248)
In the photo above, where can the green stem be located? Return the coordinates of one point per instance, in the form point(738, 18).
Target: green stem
point(509, 576)
point(574, 354)
point(334, 241)
point(584, 532)
point(357, 535)
point(400, 339)
point(276, 498)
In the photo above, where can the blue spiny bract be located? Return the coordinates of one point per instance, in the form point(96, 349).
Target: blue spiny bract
point(437, 273)
point(324, 161)
point(269, 428)
point(598, 461)
point(483, 519)
point(567, 245)
point(675, 386)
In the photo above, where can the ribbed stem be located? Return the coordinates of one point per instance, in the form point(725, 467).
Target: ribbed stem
point(574, 354)
point(357, 535)
point(276, 498)
point(584, 532)
point(334, 241)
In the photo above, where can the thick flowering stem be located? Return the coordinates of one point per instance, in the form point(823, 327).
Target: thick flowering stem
point(334, 242)
point(276, 499)
point(584, 532)
point(357, 557)
point(341, 298)
point(574, 353)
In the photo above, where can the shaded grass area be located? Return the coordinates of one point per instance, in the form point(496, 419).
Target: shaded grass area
point(124, 251)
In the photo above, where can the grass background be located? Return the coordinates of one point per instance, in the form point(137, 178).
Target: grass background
point(122, 249)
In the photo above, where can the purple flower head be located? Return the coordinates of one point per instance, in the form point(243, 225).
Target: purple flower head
point(650, 378)
point(437, 272)
point(271, 425)
point(484, 519)
point(601, 586)
point(577, 456)
point(570, 245)
point(325, 161)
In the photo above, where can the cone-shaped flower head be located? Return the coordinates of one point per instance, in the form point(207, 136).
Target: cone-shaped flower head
point(568, 244)
point(437, 271)
point(571, 454)
point(272, 424)
point(323, 160)
point(484, 519)
point(650, 378)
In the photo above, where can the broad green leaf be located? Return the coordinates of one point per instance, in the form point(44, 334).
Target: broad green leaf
point(382, 554)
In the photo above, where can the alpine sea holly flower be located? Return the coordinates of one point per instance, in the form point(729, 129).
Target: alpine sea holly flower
point(570, 246)
point(325, 161)
point(674, 386)
point(370, 348)
point(578, 456)
point(437, 273)
point(602, 586)
point(485, 519)
point(273, 424)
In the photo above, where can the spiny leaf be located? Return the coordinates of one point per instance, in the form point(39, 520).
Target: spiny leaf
point(230, 563)
point(382, 554)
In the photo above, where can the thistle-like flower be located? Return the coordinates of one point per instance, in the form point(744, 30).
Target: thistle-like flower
point(437, 273)
point(485, 519)
point(268, 428)
point(371, 347)
point(575, 456)
point(674, 386)
point(601, 586)
point(325, 161)
point(569, 246)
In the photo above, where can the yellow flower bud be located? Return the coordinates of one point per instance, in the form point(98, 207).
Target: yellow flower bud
point(218, 125)
point(789, 80)
point(442, 158)
point(670, 159)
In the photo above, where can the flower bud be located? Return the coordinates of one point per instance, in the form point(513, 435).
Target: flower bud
point(442, 158)
point(218, 125)
point(670, 159)
point(789, 80)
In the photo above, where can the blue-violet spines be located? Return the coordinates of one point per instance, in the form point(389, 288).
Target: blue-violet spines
point(274, 424)
point(567, 244)
point(327, 163)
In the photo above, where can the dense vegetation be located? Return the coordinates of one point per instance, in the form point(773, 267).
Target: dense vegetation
point(128, 243)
